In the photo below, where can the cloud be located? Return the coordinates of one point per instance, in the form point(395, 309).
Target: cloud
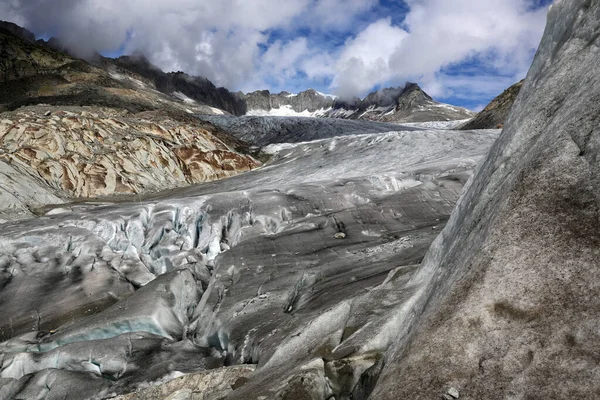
point(499, 36)
point(347, 46)
point(365, 60)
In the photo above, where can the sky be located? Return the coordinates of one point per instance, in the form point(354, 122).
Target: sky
point(463, 52)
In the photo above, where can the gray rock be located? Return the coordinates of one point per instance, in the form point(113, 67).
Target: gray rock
point(508, 302)
point(453, 392)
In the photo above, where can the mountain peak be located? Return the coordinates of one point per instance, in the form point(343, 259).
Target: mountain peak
point(17, 31)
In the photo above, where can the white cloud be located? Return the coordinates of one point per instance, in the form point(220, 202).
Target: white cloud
point(500, 34)
point(331, 15)
point(365, 60)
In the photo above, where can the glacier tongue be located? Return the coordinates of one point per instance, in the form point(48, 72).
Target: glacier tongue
point(291, 267)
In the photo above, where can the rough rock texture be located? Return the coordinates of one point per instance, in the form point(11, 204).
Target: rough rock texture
point(213, 384)
point(92, 152)
point(495, 114)
point(196, 88)
point(510, 289)
point(310, 100)
point(251, 269)
point(403, 104)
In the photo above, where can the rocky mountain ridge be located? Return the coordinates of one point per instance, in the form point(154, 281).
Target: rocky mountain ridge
point(495, 114)
point(403, 104)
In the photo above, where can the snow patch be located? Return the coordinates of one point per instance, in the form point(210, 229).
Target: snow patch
point(217, 111)
point(288, 111)
point(436, 124)
point(184, 98)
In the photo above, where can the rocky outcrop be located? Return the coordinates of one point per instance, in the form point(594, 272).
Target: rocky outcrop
point(17, 31)
point(496, 113)
point(402, 104)
point(92, 152)
point(214, 384)
point(22, 59)
point(21, 194)
point(509, 305)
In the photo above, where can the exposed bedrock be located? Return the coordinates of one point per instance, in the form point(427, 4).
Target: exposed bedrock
point(509, 299)
point(292, 267)
point(92, 152)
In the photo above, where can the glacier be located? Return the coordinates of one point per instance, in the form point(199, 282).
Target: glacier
point(289, 263)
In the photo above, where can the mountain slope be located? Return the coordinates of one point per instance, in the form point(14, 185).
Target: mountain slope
point(495, 114)
point(196, 88)
point(37, 66)
point(99, 131)
point(509, 301)
point(408, 104)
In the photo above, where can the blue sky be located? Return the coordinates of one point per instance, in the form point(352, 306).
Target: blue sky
point(463, 52)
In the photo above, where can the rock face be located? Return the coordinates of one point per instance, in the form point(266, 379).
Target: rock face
point(496, 113)
point(196, 88)
point(213, 384)
point(102, 298)
point(17, 31)
point(407, 104)
point(93, 152)
point(20, 194)
point(510, 296)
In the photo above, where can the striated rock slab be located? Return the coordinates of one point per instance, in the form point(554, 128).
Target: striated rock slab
point(510, 300)
point(93, 152)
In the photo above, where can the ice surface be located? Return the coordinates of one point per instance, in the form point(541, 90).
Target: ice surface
point(245, 270)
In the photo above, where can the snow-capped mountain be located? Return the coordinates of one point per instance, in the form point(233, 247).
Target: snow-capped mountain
point(402, 104)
